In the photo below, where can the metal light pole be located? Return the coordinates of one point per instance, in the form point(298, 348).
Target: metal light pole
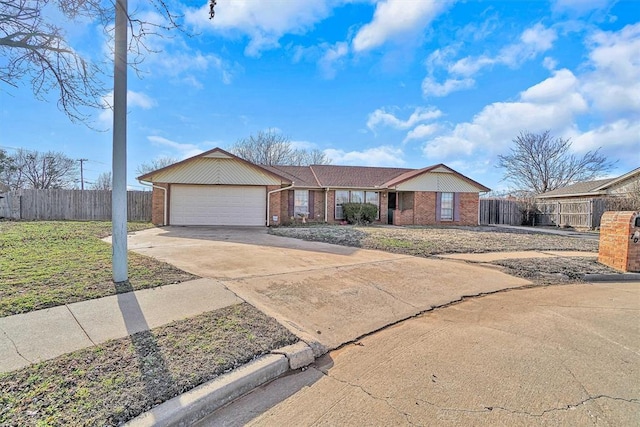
point(119, 166)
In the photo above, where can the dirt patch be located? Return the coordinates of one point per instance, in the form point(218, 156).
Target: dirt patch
point(114, 382)
point(426, 241)
point(547, 271)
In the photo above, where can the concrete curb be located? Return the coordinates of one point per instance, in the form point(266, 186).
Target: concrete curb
point(622, 277)
point(196, 404)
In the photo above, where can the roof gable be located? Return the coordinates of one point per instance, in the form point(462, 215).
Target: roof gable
point(214, 167)
point(436, 178)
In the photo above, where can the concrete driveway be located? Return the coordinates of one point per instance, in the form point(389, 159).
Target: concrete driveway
point(560, 355)
point(326, 294)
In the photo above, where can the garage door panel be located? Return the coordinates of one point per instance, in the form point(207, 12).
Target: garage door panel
point(217, 205)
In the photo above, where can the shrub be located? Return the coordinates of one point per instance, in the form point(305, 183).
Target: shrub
point(359, 213)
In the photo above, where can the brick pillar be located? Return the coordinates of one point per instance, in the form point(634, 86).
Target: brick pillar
point(620, 241)
point(158, 204)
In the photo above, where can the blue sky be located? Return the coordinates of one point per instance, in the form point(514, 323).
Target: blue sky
point(399, 83)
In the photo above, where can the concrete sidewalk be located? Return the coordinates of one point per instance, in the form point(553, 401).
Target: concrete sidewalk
point(44, 334)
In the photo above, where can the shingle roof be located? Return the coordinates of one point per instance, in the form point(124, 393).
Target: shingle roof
point(302, 176)
point(355, 176)
point(577, 188)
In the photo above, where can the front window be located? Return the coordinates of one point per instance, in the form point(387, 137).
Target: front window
point(373, 197)
point(356, 196)
point(301, 203)
point(341, 197)
point(446, 207)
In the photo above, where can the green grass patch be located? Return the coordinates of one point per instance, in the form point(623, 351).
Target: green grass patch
point(49, 263)
point(114, 382)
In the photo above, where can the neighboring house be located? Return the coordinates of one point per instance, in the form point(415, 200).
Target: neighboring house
point(218, 188)
point(583, 203)
point(621, 186)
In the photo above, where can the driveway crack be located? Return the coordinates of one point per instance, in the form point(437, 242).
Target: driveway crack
point(378, 287)
point(15, 347)
point(79, 324)
point(567, 407)
point(384, 400)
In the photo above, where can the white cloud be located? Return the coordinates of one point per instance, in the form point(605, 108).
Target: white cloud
point(332, 58)
point(549, 63)
point(619, 135)
point(379, 156)
point(182, 150)
point(532, 42)
point(134, 99)
point(613, 81)
point(421, 132)
point(397, 19)
point(552, 104)
point(420, 114)
point(598, 107)
point(551, 89)
point(263, 22)
point(580, 6)
point(432, 88)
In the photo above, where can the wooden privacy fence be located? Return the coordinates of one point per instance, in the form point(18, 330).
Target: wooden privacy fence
point(500, 211)
point(85, 205)
point(583, 213)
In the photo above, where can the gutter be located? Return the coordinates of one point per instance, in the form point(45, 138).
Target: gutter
point(164, 212)
point(269, 198)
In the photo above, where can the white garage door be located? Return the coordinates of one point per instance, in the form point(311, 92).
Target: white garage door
point(217, 205)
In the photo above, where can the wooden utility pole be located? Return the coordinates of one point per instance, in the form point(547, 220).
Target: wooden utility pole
point(82, 172)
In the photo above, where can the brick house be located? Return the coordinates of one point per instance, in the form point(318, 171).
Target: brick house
point(218, 188)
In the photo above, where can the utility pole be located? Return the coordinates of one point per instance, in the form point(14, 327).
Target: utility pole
point(82, 172)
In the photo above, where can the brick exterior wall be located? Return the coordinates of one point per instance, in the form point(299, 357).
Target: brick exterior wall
point(619, 248)
point(469, 208)
point(331, 207)
point(424, 210)
point(318, 205)
point(275, 204)
point(384, 208)
point(157, 205)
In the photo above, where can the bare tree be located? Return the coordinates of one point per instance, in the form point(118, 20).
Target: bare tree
point(273, 148)
point(103, 182)
point(541, 163)
point(33, 46)
point(155, 164)
point(38, 170)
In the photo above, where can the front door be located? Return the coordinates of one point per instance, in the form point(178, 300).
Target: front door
point(391, 208)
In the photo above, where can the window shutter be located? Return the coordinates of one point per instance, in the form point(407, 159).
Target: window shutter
point(456, 206)
point(291, 203)
point(438, 205)
point(311, 203)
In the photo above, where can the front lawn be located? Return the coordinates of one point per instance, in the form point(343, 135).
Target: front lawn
point(49, 263)
point(113, 382)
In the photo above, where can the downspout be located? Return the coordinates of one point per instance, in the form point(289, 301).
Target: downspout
point(269, 198)
point(164, 199)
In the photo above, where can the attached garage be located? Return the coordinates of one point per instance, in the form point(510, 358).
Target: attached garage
point(217, 205)
point(213, 188)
